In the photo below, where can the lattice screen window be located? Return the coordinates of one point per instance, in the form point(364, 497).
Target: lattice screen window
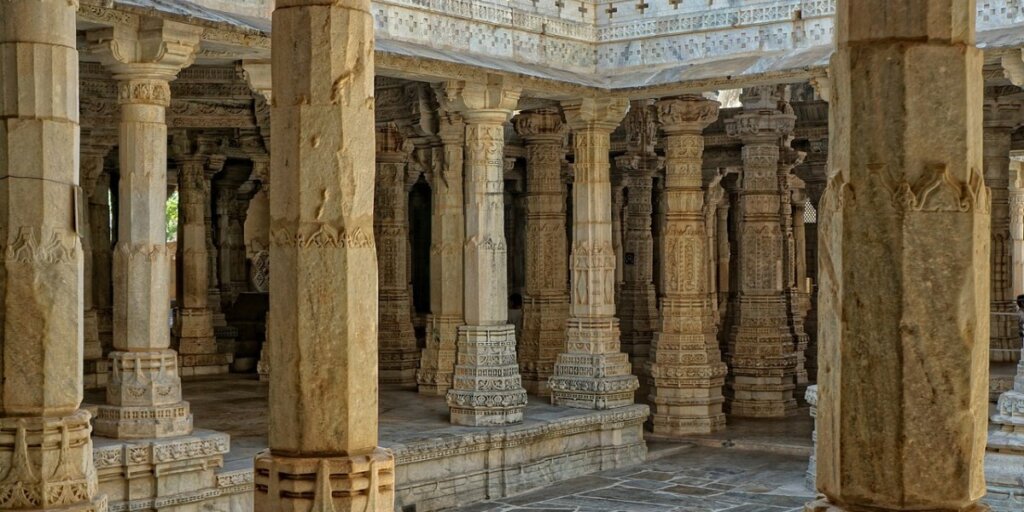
point(810, 213)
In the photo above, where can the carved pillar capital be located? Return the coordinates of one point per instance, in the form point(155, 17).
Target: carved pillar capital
point(145, 57)
point(687, 114)
point(541, 126)
point(595, 114)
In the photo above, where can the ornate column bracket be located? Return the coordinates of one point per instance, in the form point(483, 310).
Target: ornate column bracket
point(546, 295)
point(593, 373)
point(144, 390)
point(762, 348)
point(686, 369)
point(487, 388)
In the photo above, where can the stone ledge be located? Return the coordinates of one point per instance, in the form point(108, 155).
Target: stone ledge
point(109, 453)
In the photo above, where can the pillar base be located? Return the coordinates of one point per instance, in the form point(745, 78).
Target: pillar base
point(144, 397)
point(437, 361)
point(823, 505)
point(487, 389)
point(49, 464)
point(684, 408)
point(593, 374)
point(291, 484)
point(544, 328)
point(761, 397)
point(1007, 434)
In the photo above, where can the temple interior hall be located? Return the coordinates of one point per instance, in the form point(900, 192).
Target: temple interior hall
point(512, 255)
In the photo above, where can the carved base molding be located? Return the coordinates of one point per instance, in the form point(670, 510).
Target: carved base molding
point(143, 397)
point(543, 338)
point(593, 374)
point(437, 363)
point(487, 389)
point(48, 464)
point(359, 482)
point(155, 474)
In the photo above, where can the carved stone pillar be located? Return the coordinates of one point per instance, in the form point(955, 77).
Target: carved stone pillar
point(223, 207)
point(796, 301)
point(144, 391)
point(724, 255)
point(686, 369)
point(593, 373)
point(102, 255)
point(213, 295)
point(236, 234)
point(1002, 115)
point(487, 388)
point(396, 340)
point(762, 348)
point(637, 300)
point(546, 296)
point(45, 448)
point(259, 249)
point(91, 169)
point(448, 225)
point(902, 393)
point(618, 207)
point(193, 326)
point(323, 451)
point(799, 291)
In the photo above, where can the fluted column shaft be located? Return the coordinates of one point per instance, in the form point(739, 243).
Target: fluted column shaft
point(396, 343)
point(546, 296)
point(45, 448)
point(487, 388)
point(447, 233)
point(323, 452)
point(762, 347)
point(593, 372)
point(902, 392)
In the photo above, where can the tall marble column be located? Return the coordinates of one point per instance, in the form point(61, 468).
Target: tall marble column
point(144, 391)
point(796, 304)
point(686, 368)
point(91, 168)
point(546, 296)
point(193, 326)
point(396, 341)
point(323, 451)
point(45, 448)
point(1002, 114)
point(762, 348)
point(902, 390)
point(447, 233)
point(487, 388)
point(638, 302)
point(593, 373)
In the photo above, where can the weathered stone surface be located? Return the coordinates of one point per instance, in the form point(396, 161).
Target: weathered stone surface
point(906, 180)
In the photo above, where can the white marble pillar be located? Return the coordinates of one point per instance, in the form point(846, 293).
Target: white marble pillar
point(593, 372)
point(902, 390)
point(762, 348)
point(546, 295)
point(323, 452)
point(487, 388)
point(686, 369)
point(447, 233)
point(396, 341)
point(144, 391)
point(45, 448)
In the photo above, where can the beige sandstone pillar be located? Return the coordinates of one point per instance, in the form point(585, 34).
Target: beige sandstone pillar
point(45, 448)
point(259, 217)
point(193, 326)
point(686, 368)
point(762, 349)
point(447, 233)
point(546, 296)
point(102, 254)
point(618, 207)
point(323, 451)
point(91, 166)
point(902, 393)
point(144, 391)
point(1002, 115)
point(796, 302)
point(593, 373)
point(637, 300)
point(798, 289)
point(396, 341)
point(226, 195)
point(487, 388)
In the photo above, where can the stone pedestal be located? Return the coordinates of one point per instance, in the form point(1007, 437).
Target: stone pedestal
point(811, 396)
point(901, 396)
point(686, 369)
point(593, 373)
point(487, 388)
point(144, 392)
point(762, 347)
point(447, 232)
point(396, 341)
point(323, 452)
point(45, 448)
point(546, 296)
